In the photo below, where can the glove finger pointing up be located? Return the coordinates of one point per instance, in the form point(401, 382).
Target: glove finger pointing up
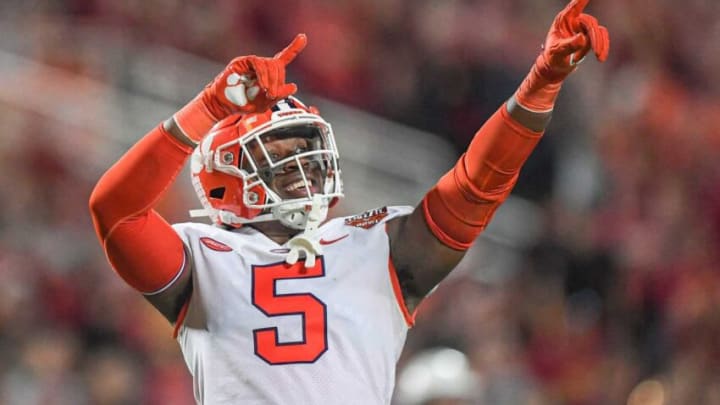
point(288, 54)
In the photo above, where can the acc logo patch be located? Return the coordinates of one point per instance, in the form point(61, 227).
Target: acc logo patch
point(215, 245)
point(367, 219)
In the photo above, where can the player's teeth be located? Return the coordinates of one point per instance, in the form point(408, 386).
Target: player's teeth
point(295, 186)
point(298, 185)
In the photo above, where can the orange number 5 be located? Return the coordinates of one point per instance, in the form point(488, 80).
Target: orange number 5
point(307, 305)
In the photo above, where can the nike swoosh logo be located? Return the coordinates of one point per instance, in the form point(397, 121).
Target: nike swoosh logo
point(328, 242)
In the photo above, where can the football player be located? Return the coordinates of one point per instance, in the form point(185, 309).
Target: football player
point(272, 302)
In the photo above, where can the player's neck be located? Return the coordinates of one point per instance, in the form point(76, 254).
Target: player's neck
point(276, 231)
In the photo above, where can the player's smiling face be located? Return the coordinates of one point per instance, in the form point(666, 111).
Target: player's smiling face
point(287, 179)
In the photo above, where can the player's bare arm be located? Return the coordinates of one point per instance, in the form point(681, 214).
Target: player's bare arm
point(429, 243)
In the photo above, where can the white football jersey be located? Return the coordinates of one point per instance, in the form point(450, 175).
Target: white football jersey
point(260, 331)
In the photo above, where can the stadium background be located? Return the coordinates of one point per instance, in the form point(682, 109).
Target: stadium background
point(598, 282)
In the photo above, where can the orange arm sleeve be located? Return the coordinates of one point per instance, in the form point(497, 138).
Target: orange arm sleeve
point(142, 248)
point(464, 200)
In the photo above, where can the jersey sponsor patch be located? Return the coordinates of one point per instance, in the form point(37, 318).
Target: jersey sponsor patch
point(215, 245)
point(367, 219)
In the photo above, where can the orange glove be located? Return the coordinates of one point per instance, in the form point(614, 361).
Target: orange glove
point(247, 84)
point(572, 35)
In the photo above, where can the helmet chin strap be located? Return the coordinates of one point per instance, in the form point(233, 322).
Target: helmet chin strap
point(301, 216)
point(308, 218)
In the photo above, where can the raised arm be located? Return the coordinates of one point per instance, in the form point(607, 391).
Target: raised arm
point(140, 245)
point(428, 244)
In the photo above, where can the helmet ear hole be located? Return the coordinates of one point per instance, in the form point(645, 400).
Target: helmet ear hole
point(218, 193)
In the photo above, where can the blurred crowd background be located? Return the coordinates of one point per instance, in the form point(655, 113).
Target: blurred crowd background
point(608, 294)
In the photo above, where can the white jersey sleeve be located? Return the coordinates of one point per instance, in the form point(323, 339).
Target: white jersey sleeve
point(260, 331)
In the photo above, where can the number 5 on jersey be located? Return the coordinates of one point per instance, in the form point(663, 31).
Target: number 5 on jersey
point(307, 305)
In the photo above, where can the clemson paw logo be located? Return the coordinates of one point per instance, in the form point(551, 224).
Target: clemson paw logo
point(241, 89)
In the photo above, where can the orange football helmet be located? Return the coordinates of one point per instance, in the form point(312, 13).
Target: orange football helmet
point(232, 170)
